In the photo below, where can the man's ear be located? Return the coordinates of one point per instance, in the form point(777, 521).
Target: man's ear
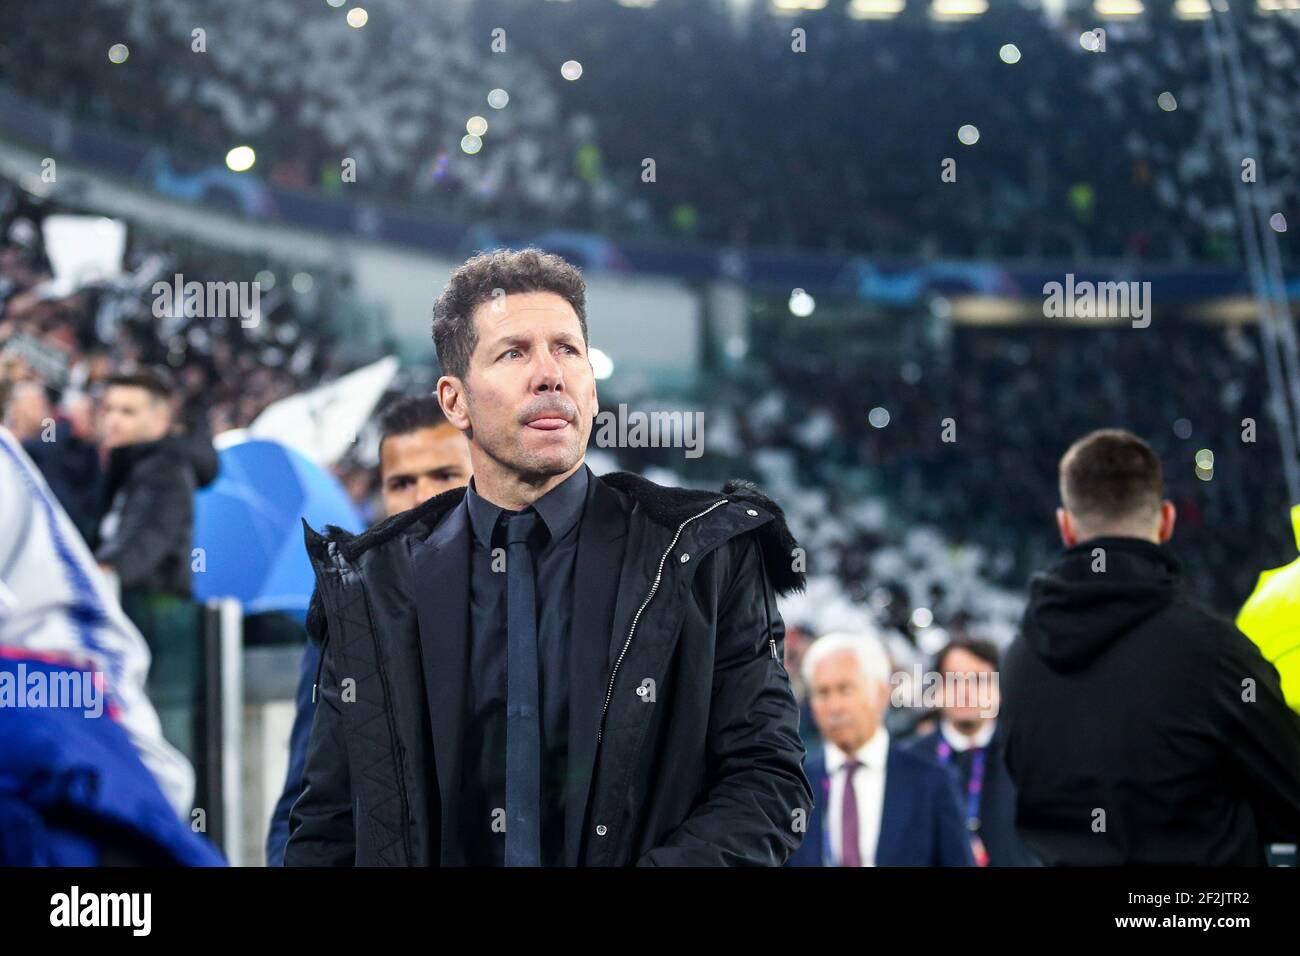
point(1168, 515)
point(163, 415)
point(451, 399)
point(1065, 526)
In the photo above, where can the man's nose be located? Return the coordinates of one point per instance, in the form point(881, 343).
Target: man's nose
point(547, 375)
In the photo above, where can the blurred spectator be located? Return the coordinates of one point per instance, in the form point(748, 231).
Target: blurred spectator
point(146, 534)
point(797, 641)
point(968, 745)
point(878, 803)
point(65, 451)
point(29, 410)
point(420, 455)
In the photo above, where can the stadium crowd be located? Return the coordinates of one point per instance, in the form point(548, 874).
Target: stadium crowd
point(1075, 157)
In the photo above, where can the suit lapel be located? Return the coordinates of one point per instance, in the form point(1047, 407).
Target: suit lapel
point(595, 579)
point(893, 810)
point(440, 567)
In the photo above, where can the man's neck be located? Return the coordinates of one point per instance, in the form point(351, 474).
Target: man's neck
point(1137, 535)
point(853, 749)
point(512, 490)
point(968, 730)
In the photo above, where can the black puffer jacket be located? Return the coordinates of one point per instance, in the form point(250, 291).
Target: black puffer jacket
point(148, 530)
point(676, 594)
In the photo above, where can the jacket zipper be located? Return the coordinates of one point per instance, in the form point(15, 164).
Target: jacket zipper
point(609, 691)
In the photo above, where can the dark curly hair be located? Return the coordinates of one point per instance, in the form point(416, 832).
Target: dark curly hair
point(476, 282)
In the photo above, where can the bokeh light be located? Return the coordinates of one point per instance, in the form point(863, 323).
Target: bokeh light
point(241, 159)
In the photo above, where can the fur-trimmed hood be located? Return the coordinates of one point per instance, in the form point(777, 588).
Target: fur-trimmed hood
point(664, 505)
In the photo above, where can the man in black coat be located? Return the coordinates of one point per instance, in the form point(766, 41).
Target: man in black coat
point(146, 536)
point(549, 667)
point(147, 528)
point(1141, 729)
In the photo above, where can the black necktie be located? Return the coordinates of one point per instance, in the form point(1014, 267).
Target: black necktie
point(523, 721)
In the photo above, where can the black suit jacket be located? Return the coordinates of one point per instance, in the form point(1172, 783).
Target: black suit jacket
point(443, 561)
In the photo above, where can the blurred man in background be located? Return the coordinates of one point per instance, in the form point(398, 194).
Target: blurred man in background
point(420, 455)
point(62, 443)
point(28, 411)
point(797, 642)
point(146, 535)
point(966, 743)
point(877, 803)
point(1141, 729)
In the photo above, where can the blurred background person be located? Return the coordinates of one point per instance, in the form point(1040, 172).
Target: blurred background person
point(878, 803)
point(421, 455)
point(65, 449)
point(966, 742)
point(146, 535)
point(1141, 729)
point(29, 410)
point(797, 642)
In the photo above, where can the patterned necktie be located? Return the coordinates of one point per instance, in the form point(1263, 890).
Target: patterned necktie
point(851, 850)
point(523, 723)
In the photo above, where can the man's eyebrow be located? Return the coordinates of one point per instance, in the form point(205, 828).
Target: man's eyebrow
point(513, 339)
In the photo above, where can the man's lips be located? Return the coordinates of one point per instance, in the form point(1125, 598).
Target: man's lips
point(548, 424)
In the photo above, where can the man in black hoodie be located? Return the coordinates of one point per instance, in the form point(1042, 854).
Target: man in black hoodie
point(146, 535)
point(1141, 729)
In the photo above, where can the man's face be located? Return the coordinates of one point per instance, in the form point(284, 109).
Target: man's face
point(418, 465)
point(847, 706)
point(131, 415)
point(28, 409)
point(80, 409)
point(964, 688)
point(529, 395)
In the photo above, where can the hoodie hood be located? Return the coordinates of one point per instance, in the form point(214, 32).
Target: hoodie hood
point(1077, 610)
point(194, 450)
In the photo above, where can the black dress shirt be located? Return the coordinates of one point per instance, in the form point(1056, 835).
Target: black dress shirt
point(483, 786)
